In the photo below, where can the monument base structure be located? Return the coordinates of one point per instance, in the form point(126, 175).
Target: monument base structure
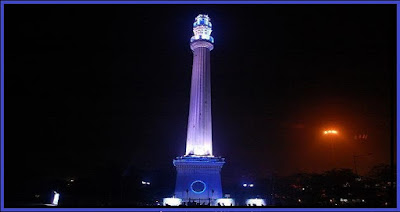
point(198, 179)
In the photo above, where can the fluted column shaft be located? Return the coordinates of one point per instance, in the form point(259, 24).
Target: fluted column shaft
point(199, 134)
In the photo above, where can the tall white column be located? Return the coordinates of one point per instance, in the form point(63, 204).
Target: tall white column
point(199, 134)
point(199, 172)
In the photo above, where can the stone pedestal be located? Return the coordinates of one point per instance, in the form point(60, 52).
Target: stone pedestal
point(198, 179)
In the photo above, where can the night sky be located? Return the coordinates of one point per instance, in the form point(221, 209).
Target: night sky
point(94, 88)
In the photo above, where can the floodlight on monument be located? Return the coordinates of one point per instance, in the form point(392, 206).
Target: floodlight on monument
point(172, 201)
point(56, 197)
point(225, 202)
point(256, 202)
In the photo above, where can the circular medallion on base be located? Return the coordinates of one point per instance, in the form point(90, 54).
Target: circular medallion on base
point(198, 186)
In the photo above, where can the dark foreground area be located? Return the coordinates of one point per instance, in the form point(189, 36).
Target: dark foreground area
point(333, 188)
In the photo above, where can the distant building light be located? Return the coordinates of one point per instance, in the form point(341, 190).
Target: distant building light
point(56, 198)
point(255, 202)
point(299, 200)
point(71, 180)
point(244, 185)
point(303, 189)
point(172, 201)
point(225, 202)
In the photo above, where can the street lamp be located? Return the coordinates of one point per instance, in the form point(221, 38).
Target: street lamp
point(331, 133)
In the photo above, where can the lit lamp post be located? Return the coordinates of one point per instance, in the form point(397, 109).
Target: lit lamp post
point(331, 134)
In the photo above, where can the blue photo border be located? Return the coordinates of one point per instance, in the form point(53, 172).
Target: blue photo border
point(194, 2)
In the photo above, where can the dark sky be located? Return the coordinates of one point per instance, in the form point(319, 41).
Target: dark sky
point(88, 87)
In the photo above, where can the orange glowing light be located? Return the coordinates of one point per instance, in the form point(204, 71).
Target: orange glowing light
point(330, 132)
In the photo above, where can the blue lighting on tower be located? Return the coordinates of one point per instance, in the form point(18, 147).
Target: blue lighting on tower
point(202, 29)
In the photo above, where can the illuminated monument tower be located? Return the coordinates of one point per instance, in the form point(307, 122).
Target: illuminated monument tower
point(198, 171)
